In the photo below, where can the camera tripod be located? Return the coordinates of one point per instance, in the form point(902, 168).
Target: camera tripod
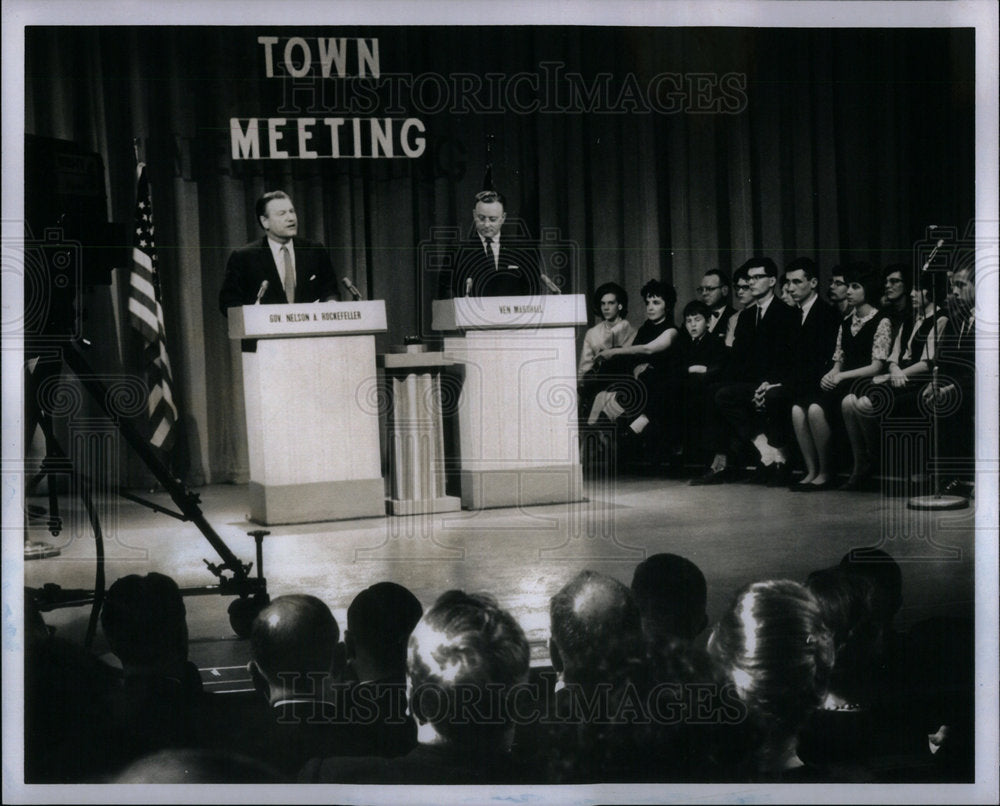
point(233, 574)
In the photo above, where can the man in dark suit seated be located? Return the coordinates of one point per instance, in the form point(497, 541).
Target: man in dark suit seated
point(672, 597)
point(160, 702)
point(294, 650)
point(466, 659)
point(754, 415)
point(953, 393)
point(596, 630)
point(490, 264)
point(379, 623)
point(813, 345)
point(737, 340)
point(295, 269)
point(714, 292)
point(67, 735)
point(594, 727)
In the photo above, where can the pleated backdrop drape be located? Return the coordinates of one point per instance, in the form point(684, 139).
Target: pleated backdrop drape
point(662, 153)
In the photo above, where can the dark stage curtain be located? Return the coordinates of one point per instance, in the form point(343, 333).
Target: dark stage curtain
point(632, 153)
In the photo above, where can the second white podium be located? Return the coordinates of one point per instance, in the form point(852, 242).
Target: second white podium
point(517, 412)
point(312, 427)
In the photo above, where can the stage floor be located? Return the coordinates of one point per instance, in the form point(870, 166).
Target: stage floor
point(736, 533)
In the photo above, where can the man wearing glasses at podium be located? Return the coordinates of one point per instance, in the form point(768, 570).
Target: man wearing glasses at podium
point(490, 264)
point(280, 267)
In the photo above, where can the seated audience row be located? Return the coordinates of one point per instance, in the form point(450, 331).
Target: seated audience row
point(784, 380)
point(796, 682)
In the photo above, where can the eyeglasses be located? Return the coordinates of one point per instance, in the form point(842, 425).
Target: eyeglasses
point(743, 286)
point(755, 277)
point(837, 282)
point(705, 288)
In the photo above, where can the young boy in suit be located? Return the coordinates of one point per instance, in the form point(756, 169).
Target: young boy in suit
point(699, 362)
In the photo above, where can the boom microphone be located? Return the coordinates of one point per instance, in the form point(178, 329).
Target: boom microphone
point(934, 251)
point(553, 288)
point(352, 288)
point(260, 292)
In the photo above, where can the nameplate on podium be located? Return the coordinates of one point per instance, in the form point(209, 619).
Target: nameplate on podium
point(307, 319)
point(498, 313)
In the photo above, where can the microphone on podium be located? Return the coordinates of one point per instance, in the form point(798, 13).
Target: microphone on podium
point(468, 286)
point(260, 292)
point(352, 288)
point(553, 288)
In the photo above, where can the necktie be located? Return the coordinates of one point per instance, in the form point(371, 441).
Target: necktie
point(803, 316)
point(489, 251)
point(289, 279)
point(757, 322)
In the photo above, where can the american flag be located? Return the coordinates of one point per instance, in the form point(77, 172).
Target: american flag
point(146, 316)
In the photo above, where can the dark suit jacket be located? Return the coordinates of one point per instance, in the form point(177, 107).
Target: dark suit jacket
point(515, 274)
point(709, 352)
point(367, 719)
point(813, 347)
point(722, 323)
point(250, 265)
point(771, 355)
point(956, 355)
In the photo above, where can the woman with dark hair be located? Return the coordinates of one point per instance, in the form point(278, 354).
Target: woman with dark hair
point(846, 602)
point(913, 348)
point(777, 653)
point(864, 724)
point(910, 360)
point(647, 360)
point(897, 285)
point(863, 345)
point(610, 303)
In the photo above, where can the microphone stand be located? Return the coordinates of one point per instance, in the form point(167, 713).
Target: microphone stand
point(935, 501)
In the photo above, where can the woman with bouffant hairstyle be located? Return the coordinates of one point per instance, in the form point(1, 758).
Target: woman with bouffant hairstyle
point(775, 649)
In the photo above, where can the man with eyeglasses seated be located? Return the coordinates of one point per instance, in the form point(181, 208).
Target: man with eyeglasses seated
point(838, 292)
point(714, 292)
point(762, 365)
point(490, 263)
point(739, 332)
point(953, 393)
point(741, 287)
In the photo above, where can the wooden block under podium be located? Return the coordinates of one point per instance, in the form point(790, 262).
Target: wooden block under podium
point(316, 501)
point(522, 486)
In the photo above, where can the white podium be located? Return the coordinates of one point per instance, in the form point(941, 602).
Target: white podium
point(312, 425)
point(517, 411)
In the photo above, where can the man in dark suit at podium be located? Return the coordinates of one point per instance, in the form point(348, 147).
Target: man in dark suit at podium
point(294, 269)
point(491, 265)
